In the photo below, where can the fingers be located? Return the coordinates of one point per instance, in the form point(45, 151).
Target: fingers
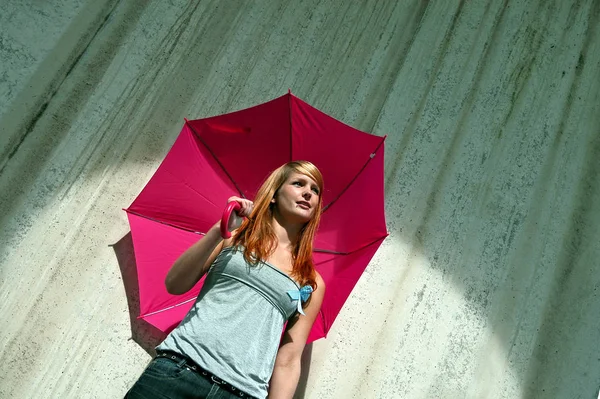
point(246, 208)
point(234, 198)
point(246, 205)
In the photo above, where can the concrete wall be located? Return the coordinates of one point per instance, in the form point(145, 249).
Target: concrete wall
point(487, 287)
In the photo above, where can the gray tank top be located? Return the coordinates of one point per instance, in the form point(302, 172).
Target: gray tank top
point(234, 328)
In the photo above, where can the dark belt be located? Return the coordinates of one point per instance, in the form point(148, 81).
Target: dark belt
point(189, 363)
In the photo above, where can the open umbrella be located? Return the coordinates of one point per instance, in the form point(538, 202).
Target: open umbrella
point(231, 154)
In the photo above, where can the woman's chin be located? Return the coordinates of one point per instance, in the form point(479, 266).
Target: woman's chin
point(305, 218)
point(296, 215)
point(301, 217)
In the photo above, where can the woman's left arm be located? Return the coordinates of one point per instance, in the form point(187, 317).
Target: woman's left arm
point(287, 364)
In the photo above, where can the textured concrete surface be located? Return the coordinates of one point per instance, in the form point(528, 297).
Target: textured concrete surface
point(488, 284)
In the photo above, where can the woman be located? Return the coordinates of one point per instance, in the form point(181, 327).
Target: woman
point(230, 344)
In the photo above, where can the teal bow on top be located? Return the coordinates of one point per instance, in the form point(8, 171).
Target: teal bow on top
point(301, 295)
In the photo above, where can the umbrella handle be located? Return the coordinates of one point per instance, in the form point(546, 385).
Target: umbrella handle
point(229, 209)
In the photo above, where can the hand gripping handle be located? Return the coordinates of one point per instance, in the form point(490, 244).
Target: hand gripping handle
point(229, 209)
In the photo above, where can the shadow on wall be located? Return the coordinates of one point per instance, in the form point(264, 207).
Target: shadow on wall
point(143, 333)
point(478, 266)
point(304, 372)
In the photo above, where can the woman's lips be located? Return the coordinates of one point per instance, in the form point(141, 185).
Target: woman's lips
point(303, 204)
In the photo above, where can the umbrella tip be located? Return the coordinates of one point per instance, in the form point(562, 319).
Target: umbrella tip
point(289, 91)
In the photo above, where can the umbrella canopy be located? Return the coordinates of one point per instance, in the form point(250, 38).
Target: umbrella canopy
point(232, 154)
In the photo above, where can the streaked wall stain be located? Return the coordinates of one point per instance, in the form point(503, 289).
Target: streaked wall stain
point(488, 284)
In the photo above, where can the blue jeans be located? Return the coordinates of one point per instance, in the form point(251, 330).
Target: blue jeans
point(165, 378)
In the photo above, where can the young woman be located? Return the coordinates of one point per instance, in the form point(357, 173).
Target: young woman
point(259, 282)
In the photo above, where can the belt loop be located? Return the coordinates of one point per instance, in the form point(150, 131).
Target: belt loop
point(179, 360)
point(182, 362)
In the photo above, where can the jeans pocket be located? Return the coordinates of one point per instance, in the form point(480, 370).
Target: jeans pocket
point(164, 369)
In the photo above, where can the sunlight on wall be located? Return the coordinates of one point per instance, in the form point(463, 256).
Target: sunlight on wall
point(413, 336)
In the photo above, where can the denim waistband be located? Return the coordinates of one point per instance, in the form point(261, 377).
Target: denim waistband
point(177, 357)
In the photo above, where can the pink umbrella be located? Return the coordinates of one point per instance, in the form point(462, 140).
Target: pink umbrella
point(217, 157)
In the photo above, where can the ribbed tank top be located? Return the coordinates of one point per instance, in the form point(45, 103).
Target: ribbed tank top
point(234, 328)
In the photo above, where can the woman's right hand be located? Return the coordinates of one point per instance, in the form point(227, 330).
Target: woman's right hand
point(237, 217)
point(246, 206)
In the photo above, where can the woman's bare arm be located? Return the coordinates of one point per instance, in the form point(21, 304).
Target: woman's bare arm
point(189, 268)
point(287, 363)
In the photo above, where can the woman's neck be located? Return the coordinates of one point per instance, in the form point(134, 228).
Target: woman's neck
point(286, 233)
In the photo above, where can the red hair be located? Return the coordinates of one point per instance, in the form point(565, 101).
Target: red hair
point(256, 233)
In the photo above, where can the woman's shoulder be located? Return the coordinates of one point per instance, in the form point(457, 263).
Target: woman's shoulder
point(233, 248)
point(227, 243)
point(319, 280)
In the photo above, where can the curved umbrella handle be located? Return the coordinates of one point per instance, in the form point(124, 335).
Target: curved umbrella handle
point(229, 209)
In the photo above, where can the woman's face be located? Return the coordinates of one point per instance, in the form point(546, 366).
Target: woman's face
point(297, 198)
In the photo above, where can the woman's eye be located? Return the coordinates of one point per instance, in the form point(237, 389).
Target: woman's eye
point(296, 183)
point(316, 191)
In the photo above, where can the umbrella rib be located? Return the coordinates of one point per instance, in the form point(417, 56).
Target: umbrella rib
point(215, 157)
point(356, 176)
point(291, 134)
point(165, 223)
point(165, 309)
point(191, 188)
point(328, 251)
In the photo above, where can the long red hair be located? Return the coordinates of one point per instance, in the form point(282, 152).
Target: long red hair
point(256, 233)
